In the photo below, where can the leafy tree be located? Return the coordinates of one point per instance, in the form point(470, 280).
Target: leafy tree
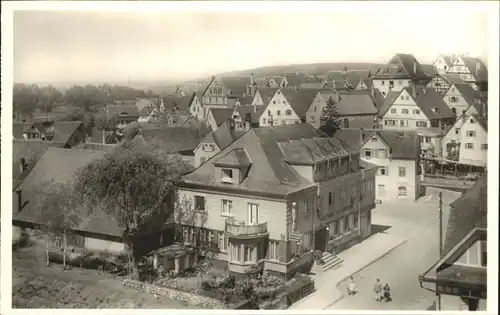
point(58, 215)
point(135, 185)
point(330, 117)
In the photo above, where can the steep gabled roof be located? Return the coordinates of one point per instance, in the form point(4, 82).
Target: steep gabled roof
point(390, 98)
point(221, 115)
point(236, 158)
point(236, 85)
point(451, 78)
point(269, 172)
point(146, 105)
point(402, 66)
point(354, 76)
point(310, 151)
point(480, 74)
point(20, 128)
point(177, 139)
point(356, 104)
point(429, 70)
point(378, 98)
point(174, 103)
point(313, 85)
point(267, 94)
point(466, 213)
point(222, 136)
point(404, 145)
point(299, 100)
point(467, 92)
point(63, 130)
point(254, 111)
point(295, 79)
point(481, 121)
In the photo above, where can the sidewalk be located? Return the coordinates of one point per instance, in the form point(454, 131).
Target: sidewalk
point(355, 259)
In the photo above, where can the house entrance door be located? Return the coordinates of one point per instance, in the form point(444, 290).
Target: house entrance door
point(320, 240)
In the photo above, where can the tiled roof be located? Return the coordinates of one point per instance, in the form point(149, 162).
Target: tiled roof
point(429, 70)
point(247, 100)
point(269, 172)
point(467, 92)
point(254, 111)
point(401, 66)
point(378, 98)
point(354, 76)
point(295, 79)
point(448, 59)
point(451, 78)
point(178, 139)
point(471, 63)
point(236, 157)
point(466, 213)
point(174, 103)
point(356, 104)
point(404, 145)
point(221, 115)
point(310, 151)
point(267, 93)
point(63, 130)
point(222, 136)
point(313, 85)
point(19, 129)
point(125, 103)
point(236, 85)
point(299, 100)
point(483, 122)
point(31, 150)
point(116, 110)
point(56, 167)
point(368, 82)
point(146, 105)
point(427, 100)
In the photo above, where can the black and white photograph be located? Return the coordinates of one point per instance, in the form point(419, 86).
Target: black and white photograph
point(269, 155)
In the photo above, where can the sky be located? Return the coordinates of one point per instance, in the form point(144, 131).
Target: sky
point(110, 46)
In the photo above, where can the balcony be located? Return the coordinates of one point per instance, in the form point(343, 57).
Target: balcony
point(240, 229)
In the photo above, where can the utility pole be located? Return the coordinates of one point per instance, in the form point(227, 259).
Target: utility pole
point(440, 240)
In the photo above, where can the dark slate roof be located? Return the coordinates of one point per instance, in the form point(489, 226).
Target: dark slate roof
point(356, 104)
point(254, 111)
point(269, 172)
point(448, 59)
point(451, 78)
point(236, 85)
point(429, 70)
point(388, 101)
point(267, 94)
point(313, 85)
point(466, 213)
point(310, 151)
point(31, 150)
point(56, 167)
point(471, 63)
point(401, 66)
point(467, 92)
point(354, 76)
point(221, 115)
point(20, 128)
point(404, 145)
point(299, 100)
point(295, 79)
point(116, 110)
point(63, 130)
point(483, 122)
point(174, 103)
point(178, 139)
point(222, 136)
point(146, 105)
point(378, 98)
point(236, 157)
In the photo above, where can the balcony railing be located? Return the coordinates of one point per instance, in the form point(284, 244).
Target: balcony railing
point(235, 227)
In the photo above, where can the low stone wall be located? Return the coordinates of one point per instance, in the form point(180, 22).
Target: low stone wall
point(190, 298)
point(295, 289)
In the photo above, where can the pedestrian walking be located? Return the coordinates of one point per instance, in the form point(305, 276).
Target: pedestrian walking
point(351, 287)
point(387, 293)
point(378, 290)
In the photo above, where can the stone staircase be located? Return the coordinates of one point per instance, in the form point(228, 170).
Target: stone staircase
point(330, 262)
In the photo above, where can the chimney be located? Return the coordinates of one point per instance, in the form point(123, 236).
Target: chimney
point(103, 137)
point(248, 121)
point(22, 164)
point(414, 90)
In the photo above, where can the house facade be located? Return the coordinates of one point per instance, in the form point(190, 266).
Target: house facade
point(442, 82)
point(196, 107)
point(474, 141)
point(279, 111)
point(443, 63)
point(472, 71)
point(402, 71)
point(452, 138)
point(411, 109)
point(396, 155)
point(459, 98)
point(235, 200)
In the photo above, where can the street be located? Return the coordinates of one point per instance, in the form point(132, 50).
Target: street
point(418, 223)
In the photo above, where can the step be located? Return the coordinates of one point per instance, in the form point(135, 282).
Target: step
point(330, 261)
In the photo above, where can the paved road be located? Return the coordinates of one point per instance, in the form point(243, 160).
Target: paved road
point(418, 222)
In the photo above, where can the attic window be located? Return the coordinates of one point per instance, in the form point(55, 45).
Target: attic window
point(374, 139)
point(227, 175)
point(472, 121)
point(123, 113)
point(435, 110)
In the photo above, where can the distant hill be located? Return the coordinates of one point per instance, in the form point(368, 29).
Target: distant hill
point(307, 68)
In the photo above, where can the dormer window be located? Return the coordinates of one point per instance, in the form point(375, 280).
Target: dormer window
point(472, 121)
point(374, 139)
point(123, 113)
point(227, 175)
point(435, 110)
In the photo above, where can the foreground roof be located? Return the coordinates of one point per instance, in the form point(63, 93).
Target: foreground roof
point(299, 100)
point(178, 139)
point(268, 173)
point(356, 104)
point(402, 66)
point(221, 115)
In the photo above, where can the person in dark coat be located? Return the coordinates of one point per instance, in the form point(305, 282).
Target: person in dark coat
point(387, 293)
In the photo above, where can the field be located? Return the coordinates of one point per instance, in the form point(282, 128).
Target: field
point(36, 286)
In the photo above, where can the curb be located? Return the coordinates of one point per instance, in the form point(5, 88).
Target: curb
point(360, 269)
